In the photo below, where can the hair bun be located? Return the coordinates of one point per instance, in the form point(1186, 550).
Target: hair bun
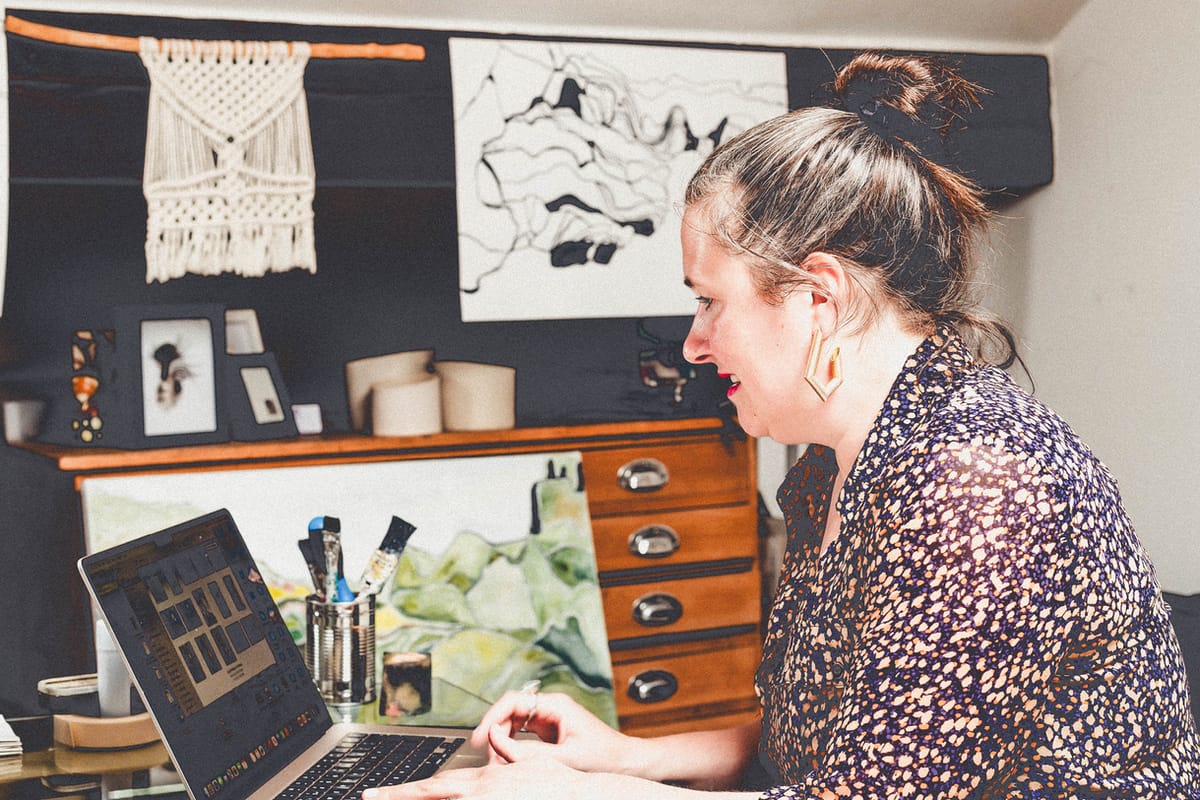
point(906, 99)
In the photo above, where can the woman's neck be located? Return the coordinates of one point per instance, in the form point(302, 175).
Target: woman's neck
point(871, 363)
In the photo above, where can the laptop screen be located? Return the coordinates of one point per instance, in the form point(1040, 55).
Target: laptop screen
point(214, 660)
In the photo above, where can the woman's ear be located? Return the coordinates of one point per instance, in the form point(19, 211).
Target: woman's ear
point(830, 287)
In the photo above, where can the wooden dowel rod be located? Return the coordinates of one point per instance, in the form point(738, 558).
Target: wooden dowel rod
point(396, 52)
point(129, 44)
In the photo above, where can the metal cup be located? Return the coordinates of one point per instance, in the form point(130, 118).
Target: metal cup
point(341, 649)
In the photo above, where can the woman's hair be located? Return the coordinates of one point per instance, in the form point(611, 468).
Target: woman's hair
point(864, 182)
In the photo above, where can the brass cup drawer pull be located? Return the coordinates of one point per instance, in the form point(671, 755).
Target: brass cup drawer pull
point(643, 475)
point(653, 541)
point(652, 686)
point(656, 610)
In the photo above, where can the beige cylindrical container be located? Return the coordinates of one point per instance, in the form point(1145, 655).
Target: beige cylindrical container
point(363, 373)
point(407, 408)
point(341, 649)
point(477, 397)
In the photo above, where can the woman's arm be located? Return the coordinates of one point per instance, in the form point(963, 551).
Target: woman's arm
point(569, 734)
point(710, 760)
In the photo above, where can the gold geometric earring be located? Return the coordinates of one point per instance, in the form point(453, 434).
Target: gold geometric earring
point(823, 388)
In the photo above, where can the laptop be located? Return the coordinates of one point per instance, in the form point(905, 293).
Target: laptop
point(227, 687)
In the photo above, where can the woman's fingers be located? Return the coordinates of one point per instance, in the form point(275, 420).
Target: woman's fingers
point(517, 711)
point(508, 749)
point(565, 731)
point(503, 712)
point(443, 785)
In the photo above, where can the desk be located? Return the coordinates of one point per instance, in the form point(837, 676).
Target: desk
point(59, 772)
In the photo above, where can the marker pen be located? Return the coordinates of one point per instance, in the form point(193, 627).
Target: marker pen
point(382, 564)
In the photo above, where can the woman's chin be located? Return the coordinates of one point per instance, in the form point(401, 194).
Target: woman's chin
point(751, 424)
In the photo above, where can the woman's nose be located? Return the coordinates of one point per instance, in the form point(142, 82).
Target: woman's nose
point(695, 346)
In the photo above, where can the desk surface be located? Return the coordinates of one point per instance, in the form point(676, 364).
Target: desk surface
point(62, 772)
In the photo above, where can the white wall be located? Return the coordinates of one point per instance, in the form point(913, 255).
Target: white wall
point(1110, 290)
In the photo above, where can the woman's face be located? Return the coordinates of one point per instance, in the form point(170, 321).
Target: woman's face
point(760, 347)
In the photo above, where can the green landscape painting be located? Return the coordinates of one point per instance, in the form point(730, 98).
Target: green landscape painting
point(497, 587)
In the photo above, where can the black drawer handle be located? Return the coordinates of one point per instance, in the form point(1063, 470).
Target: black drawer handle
point(655, 610)
point(652, 686)
point(643, 475)
point(653, 541)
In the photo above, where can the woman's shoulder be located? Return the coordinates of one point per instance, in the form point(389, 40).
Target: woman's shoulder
point(987, 418)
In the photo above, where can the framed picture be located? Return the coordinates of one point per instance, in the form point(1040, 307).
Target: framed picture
point(171, 368)
point(242, 334)
point(258, 401)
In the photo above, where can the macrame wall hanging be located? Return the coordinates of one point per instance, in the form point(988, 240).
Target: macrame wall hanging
point(229, 177)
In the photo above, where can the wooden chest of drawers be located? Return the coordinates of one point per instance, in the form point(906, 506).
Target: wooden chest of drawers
point(674, 519)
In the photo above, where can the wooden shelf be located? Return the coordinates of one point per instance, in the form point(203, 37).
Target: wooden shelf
point(341, 448)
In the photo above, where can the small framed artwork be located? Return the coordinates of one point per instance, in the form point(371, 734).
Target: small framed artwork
point(171, 362)
point(259, 406)
point(242, 334)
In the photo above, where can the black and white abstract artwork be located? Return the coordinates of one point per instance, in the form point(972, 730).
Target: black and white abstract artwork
point(571, 161)
point(178, 377)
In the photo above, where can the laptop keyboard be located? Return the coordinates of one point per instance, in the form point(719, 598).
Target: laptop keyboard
point(362, 760)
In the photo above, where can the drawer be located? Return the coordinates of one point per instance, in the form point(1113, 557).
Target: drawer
point(684, 474)
point(670, 683)
point(680, 606)
point(667, 538)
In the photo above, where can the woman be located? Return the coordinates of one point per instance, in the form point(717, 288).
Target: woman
point(964, 609)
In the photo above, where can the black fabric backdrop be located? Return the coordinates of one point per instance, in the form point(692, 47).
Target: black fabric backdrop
point(387, 276)
point(386, 240)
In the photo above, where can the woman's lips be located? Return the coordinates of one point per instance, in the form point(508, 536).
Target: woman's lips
point(734, 383)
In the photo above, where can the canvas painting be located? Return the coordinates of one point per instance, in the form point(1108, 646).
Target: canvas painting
point(497, 586)
point(571, 160)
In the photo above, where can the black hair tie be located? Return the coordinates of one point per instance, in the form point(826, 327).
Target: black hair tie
point(890, 123)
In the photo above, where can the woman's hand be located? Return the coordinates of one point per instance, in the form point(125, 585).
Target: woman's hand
point(565, 731)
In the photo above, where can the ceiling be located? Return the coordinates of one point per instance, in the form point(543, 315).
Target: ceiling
point(983, 25)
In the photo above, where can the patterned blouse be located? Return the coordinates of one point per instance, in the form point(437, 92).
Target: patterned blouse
point(987, 625)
